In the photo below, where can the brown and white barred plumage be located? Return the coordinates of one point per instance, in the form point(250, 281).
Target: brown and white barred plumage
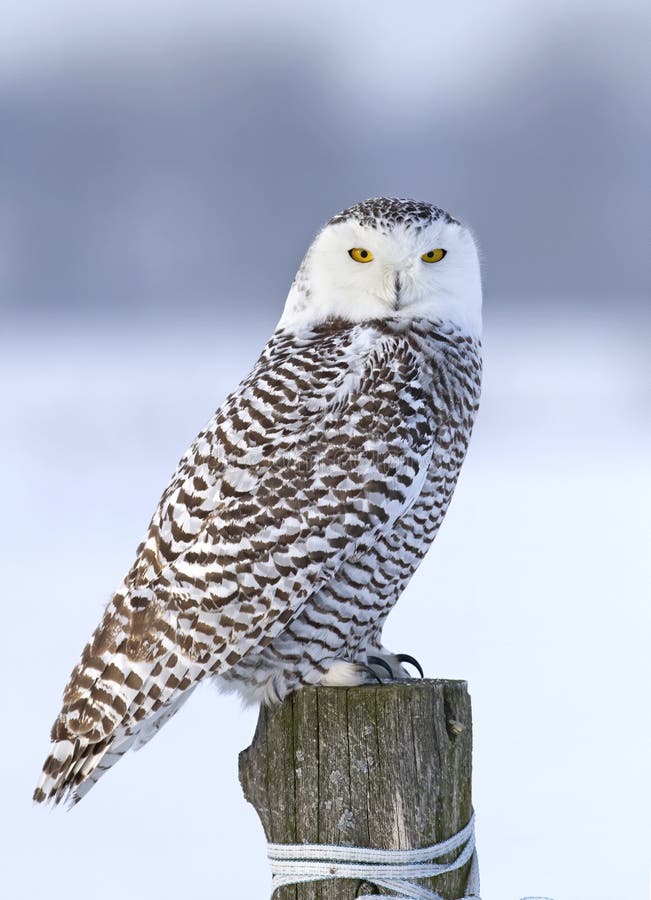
point(288, 531)
point(435, 373)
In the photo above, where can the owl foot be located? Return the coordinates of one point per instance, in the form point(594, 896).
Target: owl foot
point(392, 663)
point(377, 668)
point(343, 673)
point(405, 658)
point(370, 672)
point(381, 663)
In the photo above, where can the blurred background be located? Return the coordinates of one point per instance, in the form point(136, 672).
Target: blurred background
point(163, 168)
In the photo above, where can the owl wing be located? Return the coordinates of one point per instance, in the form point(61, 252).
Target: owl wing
point(304, 466)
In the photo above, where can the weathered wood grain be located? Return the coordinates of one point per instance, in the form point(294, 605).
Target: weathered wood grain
point(386, 766)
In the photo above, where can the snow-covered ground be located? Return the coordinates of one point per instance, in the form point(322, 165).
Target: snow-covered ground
point(536, 592)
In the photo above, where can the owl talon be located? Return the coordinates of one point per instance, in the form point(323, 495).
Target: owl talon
point(378, 661)
point(405, 658)
point(374, 675)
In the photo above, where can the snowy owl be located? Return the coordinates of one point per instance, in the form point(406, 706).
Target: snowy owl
point(297, 517)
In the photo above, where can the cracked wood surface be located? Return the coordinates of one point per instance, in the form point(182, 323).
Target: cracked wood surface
point(385, 766)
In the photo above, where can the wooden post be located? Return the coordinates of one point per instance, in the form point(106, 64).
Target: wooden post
point(385, 766)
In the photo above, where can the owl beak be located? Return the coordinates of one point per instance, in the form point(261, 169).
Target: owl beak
point(397, 287)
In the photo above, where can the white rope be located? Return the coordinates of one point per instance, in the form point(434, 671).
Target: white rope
point(391, 869)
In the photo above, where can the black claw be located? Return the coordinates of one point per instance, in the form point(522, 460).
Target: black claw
point(405, 658)
point(370, 672)
point(378, 661)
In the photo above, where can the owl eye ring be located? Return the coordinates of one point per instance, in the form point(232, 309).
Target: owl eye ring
point(433, 256)
point(360, 255)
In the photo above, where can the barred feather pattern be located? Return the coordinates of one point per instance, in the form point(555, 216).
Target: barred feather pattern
point(287, 533)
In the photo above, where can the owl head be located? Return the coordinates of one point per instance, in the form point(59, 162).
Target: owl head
point(389, 258)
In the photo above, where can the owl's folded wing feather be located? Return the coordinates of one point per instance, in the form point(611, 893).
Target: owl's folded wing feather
point(299, 470)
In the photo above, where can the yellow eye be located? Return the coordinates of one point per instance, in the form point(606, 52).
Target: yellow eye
point(434, 255)
point(359, 254)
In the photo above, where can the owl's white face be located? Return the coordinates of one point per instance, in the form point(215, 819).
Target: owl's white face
point(359, 269)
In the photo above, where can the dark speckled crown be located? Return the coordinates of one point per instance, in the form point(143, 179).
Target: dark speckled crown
point(384, 213)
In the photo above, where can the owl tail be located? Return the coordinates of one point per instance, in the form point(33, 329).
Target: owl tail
point(125, 687)
point(74, 766)
point(90, 734)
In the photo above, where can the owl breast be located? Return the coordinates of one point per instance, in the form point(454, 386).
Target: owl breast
point(430, 374)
